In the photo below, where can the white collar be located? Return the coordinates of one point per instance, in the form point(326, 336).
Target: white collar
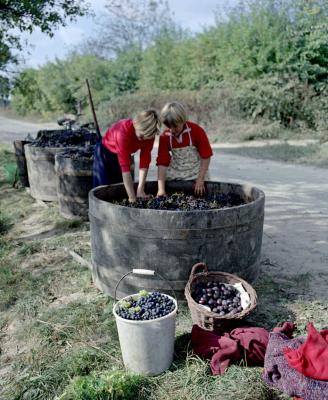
point(179, 138)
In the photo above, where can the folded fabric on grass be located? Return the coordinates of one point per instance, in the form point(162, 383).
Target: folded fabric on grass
point(224, 348)
point(278, 373)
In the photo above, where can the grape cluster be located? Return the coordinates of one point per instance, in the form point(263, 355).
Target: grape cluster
point(85, 152)
point(182, 202)
point(145, 306)
point(64, 138)
point(221, 298)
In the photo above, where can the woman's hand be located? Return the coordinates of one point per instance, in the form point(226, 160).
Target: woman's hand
point(161, 193)
point(141, 193)
point(199, 187)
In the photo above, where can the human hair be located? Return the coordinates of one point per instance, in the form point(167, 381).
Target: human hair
point(173, 114)
point(146, 124)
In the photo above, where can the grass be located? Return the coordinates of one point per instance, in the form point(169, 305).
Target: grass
point(314, 154)
point(7, 165)
point(58, 336)
point(225, 128)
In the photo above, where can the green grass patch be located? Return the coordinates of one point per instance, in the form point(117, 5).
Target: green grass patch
point(4, 223)
point(117, 385)
point(7, 165)
point(315, 154)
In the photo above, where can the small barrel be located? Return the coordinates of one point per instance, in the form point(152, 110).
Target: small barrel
point(21, 161)
point(41, 171)
point(74, 173)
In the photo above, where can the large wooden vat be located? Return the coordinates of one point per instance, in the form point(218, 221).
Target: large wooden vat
point(171, 242)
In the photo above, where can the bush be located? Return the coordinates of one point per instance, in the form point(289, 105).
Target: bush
point(202, 105)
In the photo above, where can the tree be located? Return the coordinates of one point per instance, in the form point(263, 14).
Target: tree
point(129, 24)
point(25, 16)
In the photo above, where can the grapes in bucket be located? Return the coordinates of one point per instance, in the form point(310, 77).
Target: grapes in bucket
point(146, 328)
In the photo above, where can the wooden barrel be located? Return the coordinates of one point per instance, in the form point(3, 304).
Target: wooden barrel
point(21, 161)
point(41, 171)
point(171, 242)
point(73, 184)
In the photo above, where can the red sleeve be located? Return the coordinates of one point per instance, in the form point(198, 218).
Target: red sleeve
point(163, 156)
point(123, 150)
point(145, 153)
point(201, 142)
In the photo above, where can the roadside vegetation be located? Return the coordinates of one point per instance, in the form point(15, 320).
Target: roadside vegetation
point(262, 62)
point(58, 337)
point(312, 154)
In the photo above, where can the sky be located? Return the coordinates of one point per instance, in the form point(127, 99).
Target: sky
point(192, 14)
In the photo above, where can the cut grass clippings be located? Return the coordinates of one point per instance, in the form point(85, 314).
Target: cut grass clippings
point(58, 336)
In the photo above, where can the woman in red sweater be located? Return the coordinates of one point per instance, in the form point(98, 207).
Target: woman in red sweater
point(112, 160)
point(184, 151)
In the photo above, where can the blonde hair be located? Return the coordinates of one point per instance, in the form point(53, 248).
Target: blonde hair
point(173, 114)
point(146, 124)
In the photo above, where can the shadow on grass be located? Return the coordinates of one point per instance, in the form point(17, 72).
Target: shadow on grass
point(182, 348)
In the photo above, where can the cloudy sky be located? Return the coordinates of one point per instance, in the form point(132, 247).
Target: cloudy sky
point(192, 14)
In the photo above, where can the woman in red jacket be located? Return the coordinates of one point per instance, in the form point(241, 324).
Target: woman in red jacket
point(184, 151)
point(112, 160)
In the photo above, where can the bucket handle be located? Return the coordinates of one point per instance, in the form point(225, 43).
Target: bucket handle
point(198, 269)
point(139, 271)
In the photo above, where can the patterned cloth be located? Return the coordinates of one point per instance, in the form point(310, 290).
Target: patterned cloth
point(278, 373)
point(184, 165)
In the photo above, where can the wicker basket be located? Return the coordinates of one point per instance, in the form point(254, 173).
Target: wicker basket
point(207, 319)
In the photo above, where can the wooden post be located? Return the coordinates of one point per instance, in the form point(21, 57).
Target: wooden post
point(93, 111)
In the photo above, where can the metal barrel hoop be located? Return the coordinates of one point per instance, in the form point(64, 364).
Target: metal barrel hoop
point(143, 272)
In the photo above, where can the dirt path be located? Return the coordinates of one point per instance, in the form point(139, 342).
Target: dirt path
point(11, 129)
point(295, 237)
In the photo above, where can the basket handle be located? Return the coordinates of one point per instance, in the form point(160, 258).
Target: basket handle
point(198, 269)
point(139, 271)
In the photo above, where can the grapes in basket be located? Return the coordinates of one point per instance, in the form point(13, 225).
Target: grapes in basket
point(220, 298)
point(145, 306)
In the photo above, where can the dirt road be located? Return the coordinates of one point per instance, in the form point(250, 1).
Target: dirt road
point(296, 215)
point(11, 129)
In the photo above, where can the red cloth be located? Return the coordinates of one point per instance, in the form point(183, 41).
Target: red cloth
point(199, 139)
point(224, 349)
point(121, 139)
point(311, 358)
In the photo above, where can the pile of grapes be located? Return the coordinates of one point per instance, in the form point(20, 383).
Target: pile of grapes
point(182, 202)
point(221, 298)
point(145, 306)
point(64, 138)
point(75, 153)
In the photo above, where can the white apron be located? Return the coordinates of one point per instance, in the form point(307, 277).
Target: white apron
point(185, 162)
